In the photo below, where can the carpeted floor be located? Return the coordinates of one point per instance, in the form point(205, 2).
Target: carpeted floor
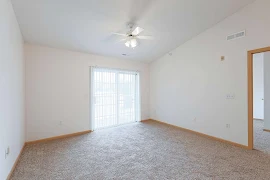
point(261, 138)
point(148, 150)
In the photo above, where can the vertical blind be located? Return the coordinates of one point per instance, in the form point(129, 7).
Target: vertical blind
point(115, 97)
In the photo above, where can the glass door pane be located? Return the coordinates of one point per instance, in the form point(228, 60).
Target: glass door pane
point(105, 95)
point(126, 97)
point(114, 95)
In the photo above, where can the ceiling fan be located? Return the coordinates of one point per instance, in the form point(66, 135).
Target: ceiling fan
point(132, 36)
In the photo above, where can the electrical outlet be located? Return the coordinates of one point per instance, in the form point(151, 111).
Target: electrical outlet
point(228, 125)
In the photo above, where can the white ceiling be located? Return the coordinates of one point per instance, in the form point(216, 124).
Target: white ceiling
point(86, 25)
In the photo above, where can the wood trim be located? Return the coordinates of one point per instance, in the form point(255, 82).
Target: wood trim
point(202, 134)
point(145, 120)
point(267, 130)
point(250, 92)
point(250, 100)
point(260, 50)
point(59, 137)
point(258, 119)
point(15, 163)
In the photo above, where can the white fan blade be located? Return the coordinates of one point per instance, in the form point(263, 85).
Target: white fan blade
point(145, 37)
point(121, 40)
point(120, 34)
point(137, 31)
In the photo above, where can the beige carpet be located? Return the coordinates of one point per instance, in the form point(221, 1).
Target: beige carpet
point(148, 150)
point(261, 138)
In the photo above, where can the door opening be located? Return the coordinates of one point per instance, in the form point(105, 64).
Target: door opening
point(258, 86)
point(257, 79)
point(114, 97)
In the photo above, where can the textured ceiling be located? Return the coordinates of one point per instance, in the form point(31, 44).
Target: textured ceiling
point(86, 25)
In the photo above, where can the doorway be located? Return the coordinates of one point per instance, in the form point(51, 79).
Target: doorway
point(258, 61)
point(258, 86)
point(114, 97)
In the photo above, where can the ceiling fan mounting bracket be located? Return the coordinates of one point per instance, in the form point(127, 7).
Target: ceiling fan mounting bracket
point(130, 25)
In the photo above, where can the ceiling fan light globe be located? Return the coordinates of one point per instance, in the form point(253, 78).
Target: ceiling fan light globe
point(133, 43)
point(133, 46)
point(128, 43)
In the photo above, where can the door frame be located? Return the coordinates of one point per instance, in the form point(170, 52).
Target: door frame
point(250, 92)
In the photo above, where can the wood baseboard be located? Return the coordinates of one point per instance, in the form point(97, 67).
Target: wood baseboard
point(59, 137)
point(15, 163)
point(257, 119)
point(267, 130)
point(204, 135)
point(145, 120)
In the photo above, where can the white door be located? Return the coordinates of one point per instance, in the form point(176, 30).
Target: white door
point(258, 86)
point(115, 97)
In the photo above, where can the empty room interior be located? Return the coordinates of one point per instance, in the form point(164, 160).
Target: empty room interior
point(134, 89)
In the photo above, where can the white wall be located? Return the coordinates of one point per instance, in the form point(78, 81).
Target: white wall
point(12, 125)
point(258, 86)
point(267, 90)
point(193, 82)
point(57, 89)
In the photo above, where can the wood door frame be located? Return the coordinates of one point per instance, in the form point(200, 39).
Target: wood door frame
point(250, 92)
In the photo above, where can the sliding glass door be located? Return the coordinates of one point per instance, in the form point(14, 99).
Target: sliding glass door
point(114, 97)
